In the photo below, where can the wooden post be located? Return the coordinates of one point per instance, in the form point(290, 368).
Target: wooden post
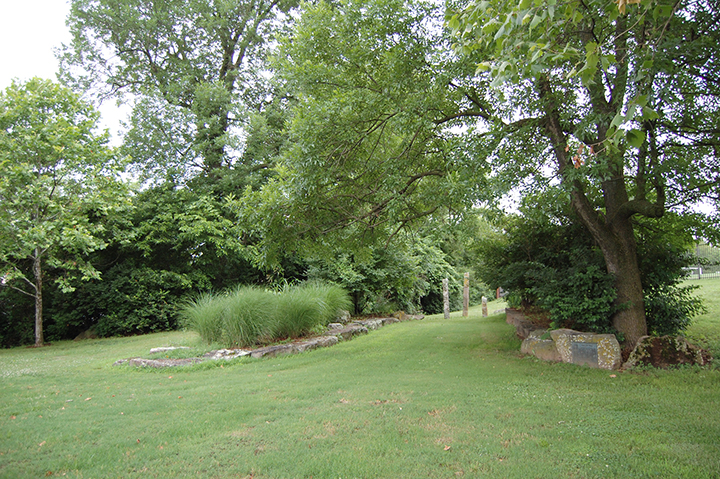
point(446, 299)
point(466, 294)
point(484, 307)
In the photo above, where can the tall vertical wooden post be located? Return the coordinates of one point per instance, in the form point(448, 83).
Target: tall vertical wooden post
point(446, 299)
point(466, 294)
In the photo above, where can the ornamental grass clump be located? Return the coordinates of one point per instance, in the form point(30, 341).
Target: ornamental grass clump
point(249, 315)
point(304, 307)
point(204, 316)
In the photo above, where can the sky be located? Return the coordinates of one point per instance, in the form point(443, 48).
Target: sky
point(29, 32)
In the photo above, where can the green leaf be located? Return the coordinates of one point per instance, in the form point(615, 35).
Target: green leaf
point(536, 21)
point(635, 138)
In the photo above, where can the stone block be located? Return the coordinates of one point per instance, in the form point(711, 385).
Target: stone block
point(594, 350)
point(665, 351)
point(348, 332)
point(523, 327)
point(387, 321)
point(540, 348)
point(314, 343)
point(273, 351)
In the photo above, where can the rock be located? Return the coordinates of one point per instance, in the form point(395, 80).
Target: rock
point(386, 321)
point(403, 316)
point(332, 326)
point(665, 351)
point(314, 343)
point(372, 324)
point(594, 350)
point(166, 349)
point(344, 317)
point(226, 354)
point(273, 351)
point(523, 327)
point(158, 363)
point(89, 334)
point(348, 332)
point(540, 348)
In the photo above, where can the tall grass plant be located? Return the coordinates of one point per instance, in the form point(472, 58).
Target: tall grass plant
point(249, 315)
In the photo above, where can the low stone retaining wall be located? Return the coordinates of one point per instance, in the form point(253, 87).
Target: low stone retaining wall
point(336, 332)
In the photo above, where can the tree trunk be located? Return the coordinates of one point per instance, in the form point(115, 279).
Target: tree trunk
point(37, 271)
point(620, 253)
point(612, 229)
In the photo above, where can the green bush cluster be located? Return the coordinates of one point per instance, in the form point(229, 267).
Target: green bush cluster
point(553, 263)
point(248, 315)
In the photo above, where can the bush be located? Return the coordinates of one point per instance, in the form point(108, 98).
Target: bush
point(554, 264)
point(249, 315)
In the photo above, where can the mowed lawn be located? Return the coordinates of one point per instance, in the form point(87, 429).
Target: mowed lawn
point(425, 399)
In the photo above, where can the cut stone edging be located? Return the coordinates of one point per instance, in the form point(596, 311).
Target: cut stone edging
point(336, 333)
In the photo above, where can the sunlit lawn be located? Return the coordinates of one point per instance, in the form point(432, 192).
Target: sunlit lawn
point(433, 398)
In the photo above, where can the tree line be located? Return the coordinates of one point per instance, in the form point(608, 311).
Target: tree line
point(368, 144)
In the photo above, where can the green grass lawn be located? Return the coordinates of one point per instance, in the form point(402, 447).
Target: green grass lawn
point(424, 399)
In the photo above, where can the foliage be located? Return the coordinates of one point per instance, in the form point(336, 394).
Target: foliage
point(406, 277)
point(247, 315)
point(554, 266)
point(371, 141)
point(302, 308)
point(665, 254)
point(550, 261)
point(56, 177)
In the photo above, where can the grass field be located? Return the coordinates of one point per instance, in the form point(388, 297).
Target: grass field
point(425, 399)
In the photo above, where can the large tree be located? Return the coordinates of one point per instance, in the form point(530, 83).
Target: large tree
point(622, 98)
point(192, 66)
point(376, 134)
point(56, 180)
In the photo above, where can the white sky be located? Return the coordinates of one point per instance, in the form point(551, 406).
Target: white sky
point(29, 32)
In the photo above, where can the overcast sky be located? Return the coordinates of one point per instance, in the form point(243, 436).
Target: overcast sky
point(29, 31)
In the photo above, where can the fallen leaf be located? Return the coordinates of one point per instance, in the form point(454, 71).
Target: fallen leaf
point(41, 444)
point(87, 399)
point(138, 441)
point(13, 417)
point(447, 448)
point(179, 397)
point(613, 375)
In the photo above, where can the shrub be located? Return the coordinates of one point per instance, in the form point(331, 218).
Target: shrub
point(249, 315)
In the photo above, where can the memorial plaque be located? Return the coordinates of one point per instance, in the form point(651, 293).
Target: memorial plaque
point(584, 353)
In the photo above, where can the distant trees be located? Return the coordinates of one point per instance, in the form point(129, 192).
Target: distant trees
point(57, 180)
point(194, 67)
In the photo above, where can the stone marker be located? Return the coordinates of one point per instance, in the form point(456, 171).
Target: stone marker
point(594, 350)
point(446, 299)
point(466, 294)
point(484, 307)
